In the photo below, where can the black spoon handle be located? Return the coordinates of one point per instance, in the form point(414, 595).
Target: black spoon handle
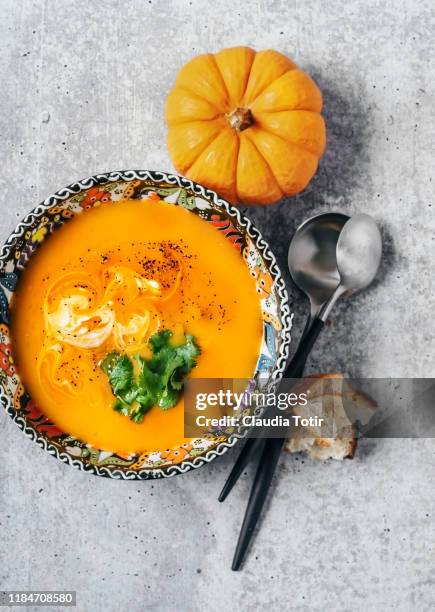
point(251, 448)
point(263, 478)
point(297, 364)
point(271, 452)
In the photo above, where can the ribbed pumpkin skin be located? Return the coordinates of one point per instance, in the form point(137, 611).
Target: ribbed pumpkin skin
point(246, 124)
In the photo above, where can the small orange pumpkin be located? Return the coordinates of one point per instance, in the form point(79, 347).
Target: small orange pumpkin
point(246, 124)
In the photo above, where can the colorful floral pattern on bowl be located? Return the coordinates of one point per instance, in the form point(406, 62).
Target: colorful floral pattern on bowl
point(70, 201)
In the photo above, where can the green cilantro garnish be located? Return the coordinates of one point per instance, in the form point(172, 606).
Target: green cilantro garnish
point(160, 379)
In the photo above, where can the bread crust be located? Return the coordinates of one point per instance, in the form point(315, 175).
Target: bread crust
point(342, 446)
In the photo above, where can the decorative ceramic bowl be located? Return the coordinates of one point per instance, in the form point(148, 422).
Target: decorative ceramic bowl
point(71, 201)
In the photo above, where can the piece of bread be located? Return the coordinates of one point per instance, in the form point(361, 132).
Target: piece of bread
point(332, 398)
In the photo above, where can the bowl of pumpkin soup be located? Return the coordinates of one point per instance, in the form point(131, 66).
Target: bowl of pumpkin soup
point(113, 292)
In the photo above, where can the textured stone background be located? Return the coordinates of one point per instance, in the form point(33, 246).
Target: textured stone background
point(82, 90)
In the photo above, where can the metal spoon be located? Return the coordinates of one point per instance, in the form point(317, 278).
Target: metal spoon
point(358, 255)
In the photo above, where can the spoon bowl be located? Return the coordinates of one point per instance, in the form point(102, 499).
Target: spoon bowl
point(312, 258)
point(359, 252)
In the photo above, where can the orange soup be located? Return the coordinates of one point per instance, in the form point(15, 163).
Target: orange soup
point(108, 280)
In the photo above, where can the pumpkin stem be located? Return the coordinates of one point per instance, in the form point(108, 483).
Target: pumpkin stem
point(240, 118)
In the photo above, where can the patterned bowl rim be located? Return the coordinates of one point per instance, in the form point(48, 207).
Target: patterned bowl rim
point(248, 228)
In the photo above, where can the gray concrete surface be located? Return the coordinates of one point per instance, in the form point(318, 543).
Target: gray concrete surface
point(82, 90)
